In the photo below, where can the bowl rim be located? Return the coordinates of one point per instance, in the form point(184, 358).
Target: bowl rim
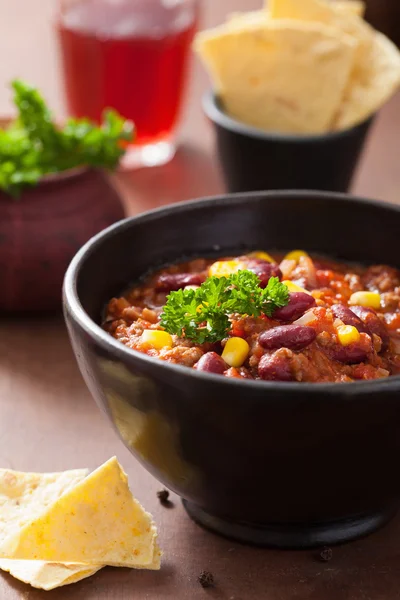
point(215, 113)
point(74, 308)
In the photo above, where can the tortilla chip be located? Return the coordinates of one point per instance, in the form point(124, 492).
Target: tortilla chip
point(47, 575)
point(237, 19)
point(280, 76)
point(346, 7)
point(330, 14)
point(376, 72)
point(321, 11)
point(96, 522)
point(23, 497)
point(50, 575)
point(372, 84)
point(351, 7)
point(155, 564)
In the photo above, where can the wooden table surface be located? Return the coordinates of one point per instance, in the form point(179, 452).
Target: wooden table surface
point(48, 421)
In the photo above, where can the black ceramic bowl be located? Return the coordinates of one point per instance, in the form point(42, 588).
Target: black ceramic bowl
point(281, 464)
point(253, 160)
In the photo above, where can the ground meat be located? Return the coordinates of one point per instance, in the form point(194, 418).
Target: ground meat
point(353, 281)
point(150, 315)
point(381, 278)
point(323, 359)
point(391, 300)
point(248, 326)
point(303, 272)
point(240, 373)
point(392, 321)
point(182, 355)
point(132, 313)
point(314, 365)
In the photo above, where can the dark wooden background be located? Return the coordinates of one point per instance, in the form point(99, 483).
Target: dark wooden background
point(48, 421)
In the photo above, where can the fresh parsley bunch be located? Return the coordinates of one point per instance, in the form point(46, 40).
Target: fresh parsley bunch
point(33, 146)
point(202, 315)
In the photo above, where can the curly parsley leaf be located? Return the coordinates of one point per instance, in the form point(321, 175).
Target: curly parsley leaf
point(33, 146)
point(203, 314)
point(274, 295)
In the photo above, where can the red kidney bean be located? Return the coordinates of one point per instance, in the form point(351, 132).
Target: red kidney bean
point(212, 363)
point(348, 355)
point(295, 337)
point(299, 302)
point(275, 367)
point(171, 282)
point(264, 270)
point(348, 317)
point(372, 323)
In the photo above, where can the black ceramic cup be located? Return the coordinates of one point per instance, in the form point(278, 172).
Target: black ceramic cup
point(253, 160)
point(278, 464)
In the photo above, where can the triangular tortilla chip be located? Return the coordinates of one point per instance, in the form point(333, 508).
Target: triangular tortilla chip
point(284, 76)
point(155, 564)
point(47, 575)
point(237, 19)
point(331, 15)
point(23, 497)
point(350, 7)
point(346, 7)
point(372, 84)
point(376, 72)
point(321, 11)
point(50, 575)
point(97, 522)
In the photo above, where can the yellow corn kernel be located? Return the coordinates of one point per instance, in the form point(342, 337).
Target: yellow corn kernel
point(367, 299)
point(295, 255)
point(156, 338)
point(235, 352)
point(224, 268)
point(293, 287)
point(348, 334)
point(261, 255)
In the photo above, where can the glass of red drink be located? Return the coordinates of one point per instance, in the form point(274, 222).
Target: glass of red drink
point(131, 55)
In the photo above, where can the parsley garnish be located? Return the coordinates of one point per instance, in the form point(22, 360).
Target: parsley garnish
point(202, 315)
point(33, 146)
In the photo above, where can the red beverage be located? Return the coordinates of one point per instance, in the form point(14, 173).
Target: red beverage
point(130, 55)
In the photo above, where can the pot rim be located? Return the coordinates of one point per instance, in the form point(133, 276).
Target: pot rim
point(49, 180)
point(64, 175)
point(74, 308)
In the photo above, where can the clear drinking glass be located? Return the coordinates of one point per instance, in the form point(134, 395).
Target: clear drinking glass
point(131, 55)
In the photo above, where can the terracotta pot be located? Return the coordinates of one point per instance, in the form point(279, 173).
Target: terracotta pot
point(42, 230)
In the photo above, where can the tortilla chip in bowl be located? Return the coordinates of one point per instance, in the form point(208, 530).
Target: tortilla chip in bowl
point(293, 74)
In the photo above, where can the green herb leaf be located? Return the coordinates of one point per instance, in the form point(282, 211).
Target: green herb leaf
point(203, 315)
point(274, 295)
point(33, 146)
